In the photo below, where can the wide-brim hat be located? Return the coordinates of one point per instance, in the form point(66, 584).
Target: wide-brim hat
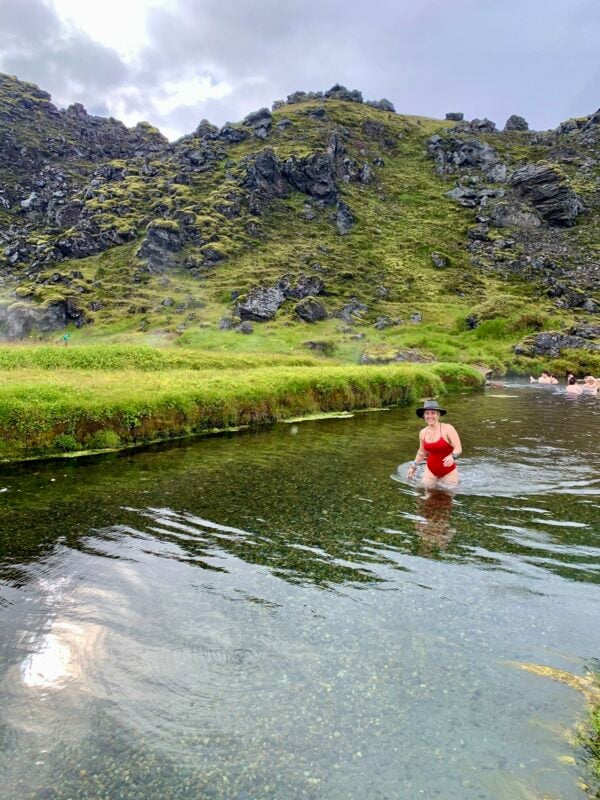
point(430, 405)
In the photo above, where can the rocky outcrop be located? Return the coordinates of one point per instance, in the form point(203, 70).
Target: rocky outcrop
point(22, 319)
point(549, 194)
point(552, 343)
point(455, 116)
point(261, 304)
point(162, 241)
point(303, 286)
point(454, 153)
point(382, 105)
point(310, 310)
point(343, 219)
point(516, 123)
point(260, 122)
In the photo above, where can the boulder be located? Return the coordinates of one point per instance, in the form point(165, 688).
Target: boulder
point(313, 175)
point(383, 321)
point(310, 310)
point(552, 343)
point(455, 116)
point(484, 125)
point(232, 134)
point(471, 197)
point(552, 198)
point(586, 330)
point(162, 241)
point(510, 214)
point(516, 123)
point(260, 122)
point(343, 219)
point(20, 319)
point(261, 303)
point(384, 355)
point(440, 261)
point(382, 105)
point(339, 92)
point(454, 152)
point(305, 286)
point(353, 308)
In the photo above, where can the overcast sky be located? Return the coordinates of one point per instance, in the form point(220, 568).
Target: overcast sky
point(174, 62)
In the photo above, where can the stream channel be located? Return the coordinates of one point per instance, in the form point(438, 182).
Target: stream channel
point(275, 614)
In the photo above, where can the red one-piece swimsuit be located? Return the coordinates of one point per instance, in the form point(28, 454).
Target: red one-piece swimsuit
point(437, 452)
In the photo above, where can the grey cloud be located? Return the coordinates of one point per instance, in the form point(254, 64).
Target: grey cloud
point(536, 58)
point(36, 45)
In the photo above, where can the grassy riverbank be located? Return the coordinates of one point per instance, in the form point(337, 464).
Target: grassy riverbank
point(54, 405)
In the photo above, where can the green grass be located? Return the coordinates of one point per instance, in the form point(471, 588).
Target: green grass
point(48, 411)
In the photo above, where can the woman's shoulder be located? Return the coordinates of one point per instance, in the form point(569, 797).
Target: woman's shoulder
point(449, 427)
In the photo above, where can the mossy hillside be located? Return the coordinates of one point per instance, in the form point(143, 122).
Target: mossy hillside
point(401, 217)
point(44, 412)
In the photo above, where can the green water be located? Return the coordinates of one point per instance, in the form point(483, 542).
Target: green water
point(275, 614)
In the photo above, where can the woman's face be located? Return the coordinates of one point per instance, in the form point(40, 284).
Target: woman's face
point(431, 417)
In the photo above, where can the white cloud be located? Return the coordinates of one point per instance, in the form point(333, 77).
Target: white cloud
point(118, 24)
point(189, 91)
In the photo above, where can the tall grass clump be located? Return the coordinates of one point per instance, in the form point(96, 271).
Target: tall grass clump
point(43, 412)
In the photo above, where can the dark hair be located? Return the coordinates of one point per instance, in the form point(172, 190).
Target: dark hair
point(572, 380)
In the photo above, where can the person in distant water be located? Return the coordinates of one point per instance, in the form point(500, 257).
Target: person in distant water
point(544, 378)
point(569, 376)
point(591, 384)
point(573, 387)
point(439, 445)
point(553, 380)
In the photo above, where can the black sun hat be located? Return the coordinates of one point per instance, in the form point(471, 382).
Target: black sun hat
point(430, 405)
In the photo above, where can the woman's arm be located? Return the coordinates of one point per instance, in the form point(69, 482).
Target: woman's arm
point(452, 438)
point(419, 458)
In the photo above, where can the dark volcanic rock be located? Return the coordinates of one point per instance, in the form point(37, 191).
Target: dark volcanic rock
point(454, 152)
point(511, 214)
point(455, 116)
point(344, 219)
point(233, 134)
point(261, 304)
point(161, 243)
point(586, 331)
point(22, 319)
point(471, 197)
point(440, 261)
point(260, 122)
point(310, 310)
point(551, 344)
point(516, 123)
point(339, 92)
point(305, 286)
point(265, 180)
point(353, 308)
point(382, 105)
point(551, 197)
point(313, 175)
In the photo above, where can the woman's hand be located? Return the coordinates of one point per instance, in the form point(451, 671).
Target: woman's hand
point(449, 460)
point(411, 471)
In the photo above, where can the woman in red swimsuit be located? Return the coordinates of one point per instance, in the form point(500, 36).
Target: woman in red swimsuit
point(439, 445)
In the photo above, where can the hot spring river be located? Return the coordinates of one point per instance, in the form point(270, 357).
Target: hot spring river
point(276, 615)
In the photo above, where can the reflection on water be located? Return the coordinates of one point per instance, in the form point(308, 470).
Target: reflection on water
point(269, 615)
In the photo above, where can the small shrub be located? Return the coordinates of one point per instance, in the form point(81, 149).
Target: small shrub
point(103, 440)
point(66, 443)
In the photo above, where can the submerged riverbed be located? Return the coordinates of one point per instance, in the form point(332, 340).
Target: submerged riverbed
point(275, 614)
